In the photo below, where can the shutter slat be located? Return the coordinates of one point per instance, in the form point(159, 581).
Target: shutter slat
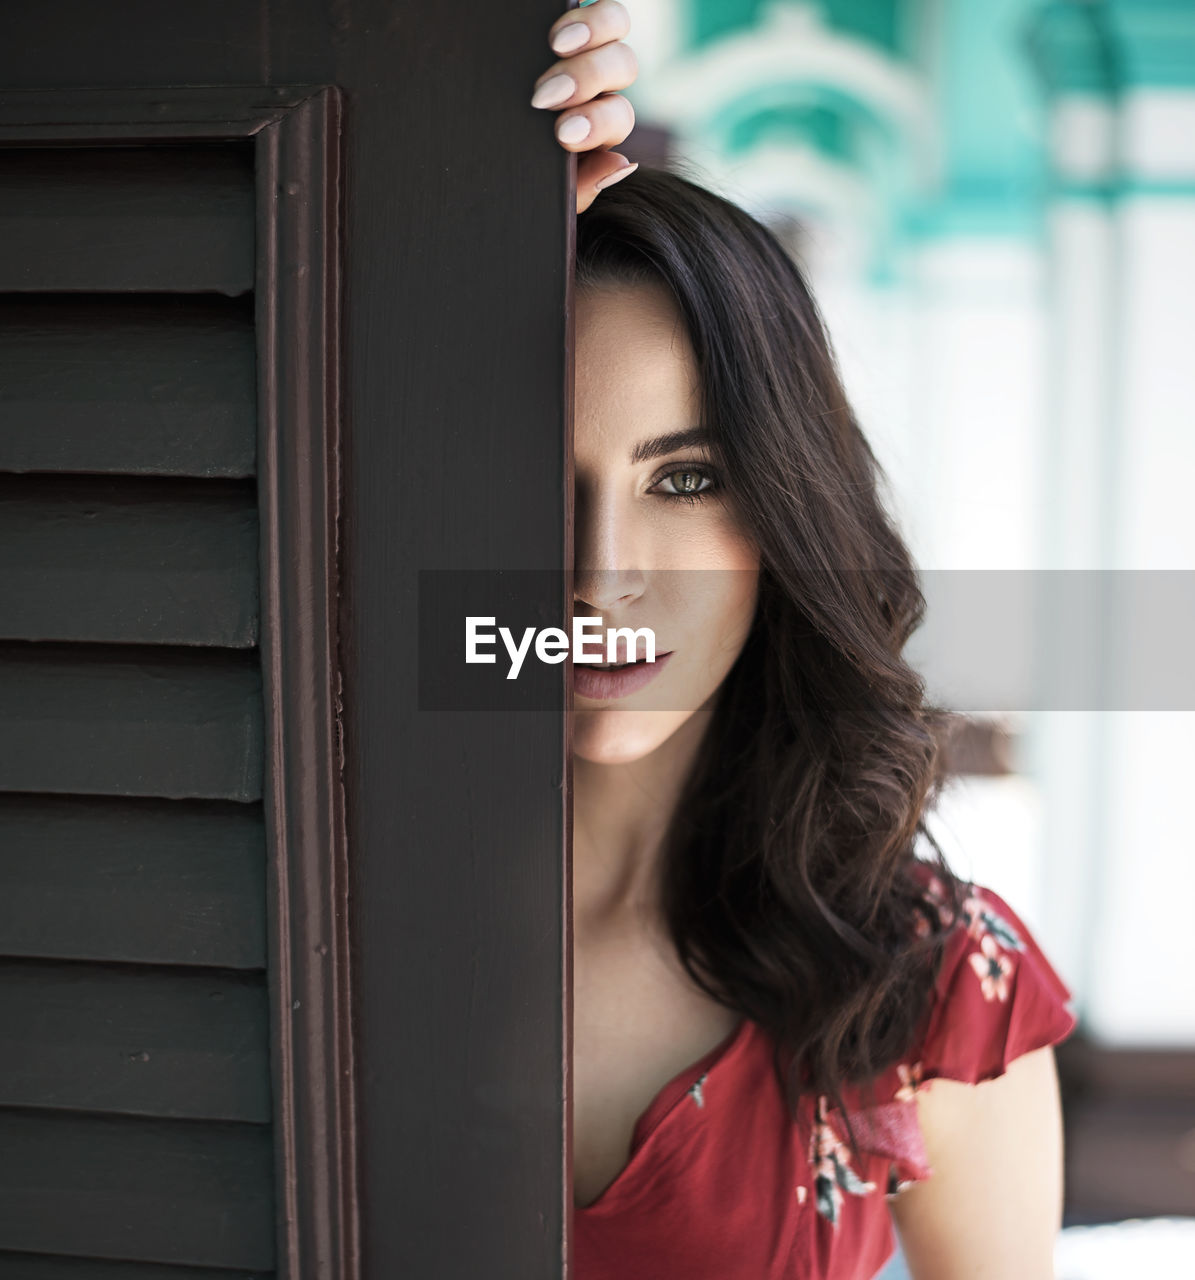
point(164, 219)
point(188, 1044)
point(124, 720)
point(128, 384)
point(136, 1099)
point(40, 1266)
point(139, 881)
point(143, 561)
point(153, 1190)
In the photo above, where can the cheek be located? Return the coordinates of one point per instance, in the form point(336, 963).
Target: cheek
point(740, 588)
point(710, 541)
point(738, 580)
point(716, 607)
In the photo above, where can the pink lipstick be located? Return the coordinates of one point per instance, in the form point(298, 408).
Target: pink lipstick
point(616, 682)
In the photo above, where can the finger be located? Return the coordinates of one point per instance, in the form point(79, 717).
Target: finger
point(596, 24)
point(599, 166)
point(585, 75)
point(609, 118)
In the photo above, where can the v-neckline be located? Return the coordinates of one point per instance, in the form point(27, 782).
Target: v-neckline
point(660, 1106)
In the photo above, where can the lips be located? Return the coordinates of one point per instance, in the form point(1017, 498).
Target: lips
point(599, 685)
point(622, 651)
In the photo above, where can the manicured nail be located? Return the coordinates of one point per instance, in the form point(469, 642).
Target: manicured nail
point(573, 129)
point(554, 91)
point(571, 37)
point(617, 176)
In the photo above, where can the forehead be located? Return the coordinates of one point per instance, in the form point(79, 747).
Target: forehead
point(634, 361)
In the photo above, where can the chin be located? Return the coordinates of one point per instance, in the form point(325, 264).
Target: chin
point(604, 736)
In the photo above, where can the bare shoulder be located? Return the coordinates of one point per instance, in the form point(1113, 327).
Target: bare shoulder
point(993, 1206)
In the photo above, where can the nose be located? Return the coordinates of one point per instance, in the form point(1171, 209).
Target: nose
point(608, 556)
point(604, 590)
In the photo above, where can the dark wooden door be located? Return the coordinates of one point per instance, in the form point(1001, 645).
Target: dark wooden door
point(285, 314)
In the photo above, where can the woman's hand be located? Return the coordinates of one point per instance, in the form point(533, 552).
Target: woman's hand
point(594, 61)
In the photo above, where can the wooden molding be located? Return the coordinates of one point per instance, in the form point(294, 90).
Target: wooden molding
point(298, 345)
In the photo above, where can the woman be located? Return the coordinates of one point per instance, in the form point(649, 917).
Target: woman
point(784, 1021)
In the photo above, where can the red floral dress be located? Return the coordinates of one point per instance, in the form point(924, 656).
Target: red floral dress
point(720, 1185)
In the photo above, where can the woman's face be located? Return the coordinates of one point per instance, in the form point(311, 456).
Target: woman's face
point(645, 557)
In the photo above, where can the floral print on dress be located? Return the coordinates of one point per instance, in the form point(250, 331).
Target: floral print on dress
point(832, 1172)
point(992, 967)
point(695, 1091)
point(910, 1080)
point(983, 922)
point(978, 915)
point(897, 1184)
point(995, 935)
point(992, 945)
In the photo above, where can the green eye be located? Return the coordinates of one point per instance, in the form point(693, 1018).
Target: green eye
point(687, 484)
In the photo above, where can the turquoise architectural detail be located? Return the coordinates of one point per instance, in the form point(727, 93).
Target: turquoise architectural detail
point(979, 95)
point(878, 22)
point(828, 130)
point(1155, 41)
point(1109, 51)
point(1111, 46)
point(837, 123)
point(1071, 46)
point(986, 73)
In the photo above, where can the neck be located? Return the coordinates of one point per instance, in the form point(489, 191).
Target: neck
point(621, 814)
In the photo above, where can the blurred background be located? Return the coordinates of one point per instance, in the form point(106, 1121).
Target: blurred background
point(994, 201)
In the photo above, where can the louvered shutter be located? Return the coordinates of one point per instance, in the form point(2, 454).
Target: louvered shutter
point(172, 1104)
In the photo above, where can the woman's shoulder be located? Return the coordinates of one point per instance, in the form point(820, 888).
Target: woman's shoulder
point(996, 994)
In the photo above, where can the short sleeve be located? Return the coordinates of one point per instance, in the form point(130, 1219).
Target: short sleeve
point(996, 996)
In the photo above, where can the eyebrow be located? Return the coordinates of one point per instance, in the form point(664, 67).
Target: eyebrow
point(645, 450)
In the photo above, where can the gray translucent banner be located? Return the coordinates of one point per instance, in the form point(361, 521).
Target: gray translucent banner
point(991, 640)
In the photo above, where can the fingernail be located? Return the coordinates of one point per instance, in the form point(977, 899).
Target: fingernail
point(617, 176)
point(573, 129)
point(554, 91)
point(571, 37)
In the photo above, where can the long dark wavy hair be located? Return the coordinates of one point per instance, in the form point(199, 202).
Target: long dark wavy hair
point(790, 885)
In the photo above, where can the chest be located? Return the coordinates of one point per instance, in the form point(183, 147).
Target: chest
point(638, 1021)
